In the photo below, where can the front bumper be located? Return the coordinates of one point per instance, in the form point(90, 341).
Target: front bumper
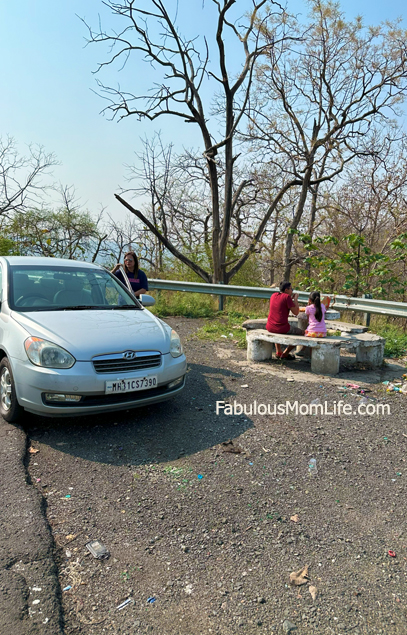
point(32, 382)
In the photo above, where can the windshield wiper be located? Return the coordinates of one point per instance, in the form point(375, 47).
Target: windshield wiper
point(78, 307)
point(127, 306)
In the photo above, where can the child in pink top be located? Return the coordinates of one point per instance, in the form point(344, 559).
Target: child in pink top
point(316, 311)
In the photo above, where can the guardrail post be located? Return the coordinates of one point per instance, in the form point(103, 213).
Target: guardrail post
point(368, 296)
point(221, 300)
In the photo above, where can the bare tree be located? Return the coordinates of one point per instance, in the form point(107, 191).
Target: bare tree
point(319, 96)
point(21, 185)
point(183, 74)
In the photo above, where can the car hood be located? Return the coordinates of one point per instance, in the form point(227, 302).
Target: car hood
point(85, 334)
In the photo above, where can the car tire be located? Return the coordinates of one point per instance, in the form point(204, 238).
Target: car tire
point(10, 409)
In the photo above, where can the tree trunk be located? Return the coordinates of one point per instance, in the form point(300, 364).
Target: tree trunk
point(295, 222)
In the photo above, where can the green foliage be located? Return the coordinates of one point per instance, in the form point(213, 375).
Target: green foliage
point(354, 268)
point(193, 305)
point(8, 247)
point(396, 340)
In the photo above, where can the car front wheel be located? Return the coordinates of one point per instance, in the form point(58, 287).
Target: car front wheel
point(10, 409)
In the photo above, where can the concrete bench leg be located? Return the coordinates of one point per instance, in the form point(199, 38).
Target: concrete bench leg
point(370, 355)
point(259, 351)
point(325, 360)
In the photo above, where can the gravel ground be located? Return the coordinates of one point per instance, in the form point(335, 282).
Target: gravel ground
point(207, 515)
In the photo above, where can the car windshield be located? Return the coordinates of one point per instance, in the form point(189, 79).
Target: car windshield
point(59, 288)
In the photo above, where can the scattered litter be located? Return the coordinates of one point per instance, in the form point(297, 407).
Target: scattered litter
point(68, 496)
point(38, 480)
point(225, 336)
point(312, 467)
point(290, 379)
point(314, 591)
point(391, 553)
point(297, 578)
point(385, 383)
point(67, 588)
point(315, 402)
point(266, 450)
point(68, 553)
point(151, 600)
point(188, 589)
point(295, 518)
point(200, 476)
point(250, 463)
point(36, 588)
point(32, 450)
point(97, 550)
point(354, 386)
point(36, 601)
point(363, 401)
point(244, 386)
point(125, 603)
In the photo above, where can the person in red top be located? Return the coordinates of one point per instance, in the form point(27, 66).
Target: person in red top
point(280, 306)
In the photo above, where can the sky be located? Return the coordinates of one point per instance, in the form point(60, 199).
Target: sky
point(48, 85)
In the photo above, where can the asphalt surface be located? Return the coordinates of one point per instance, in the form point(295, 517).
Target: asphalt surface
point(29, 589)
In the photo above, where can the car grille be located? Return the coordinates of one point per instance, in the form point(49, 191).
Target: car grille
point(117, 364)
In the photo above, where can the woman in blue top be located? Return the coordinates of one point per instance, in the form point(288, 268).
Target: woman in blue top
point(135, 276)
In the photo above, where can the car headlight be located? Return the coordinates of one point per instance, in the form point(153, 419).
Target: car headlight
point(175, 344)
point(43, 353)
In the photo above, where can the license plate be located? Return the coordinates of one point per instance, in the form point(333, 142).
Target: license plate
point(129, 385)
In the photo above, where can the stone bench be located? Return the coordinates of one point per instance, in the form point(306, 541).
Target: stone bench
point(325, 352)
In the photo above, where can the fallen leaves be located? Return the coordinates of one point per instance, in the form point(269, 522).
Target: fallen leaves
point(295, 518)
point(32, 450)
point(314, 591)
point(297, 578)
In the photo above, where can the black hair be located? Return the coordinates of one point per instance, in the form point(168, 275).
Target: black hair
point(284, 285)
point(315, 298)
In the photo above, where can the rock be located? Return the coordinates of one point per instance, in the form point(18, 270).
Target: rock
point(288, 626)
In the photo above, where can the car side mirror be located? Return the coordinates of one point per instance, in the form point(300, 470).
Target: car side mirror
point(146, 300)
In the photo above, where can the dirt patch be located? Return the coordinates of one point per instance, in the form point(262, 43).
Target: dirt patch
point(206, 515)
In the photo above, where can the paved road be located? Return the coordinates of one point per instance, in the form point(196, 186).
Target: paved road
point(29, 601)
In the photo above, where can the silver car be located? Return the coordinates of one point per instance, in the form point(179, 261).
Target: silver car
point(74, 340)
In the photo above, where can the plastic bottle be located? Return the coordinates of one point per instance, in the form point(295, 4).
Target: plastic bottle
point(312, 467)
point(403, 389)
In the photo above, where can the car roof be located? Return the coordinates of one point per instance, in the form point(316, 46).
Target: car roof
point(46, 262)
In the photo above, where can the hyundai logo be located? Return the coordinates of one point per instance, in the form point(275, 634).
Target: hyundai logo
point(129, 355)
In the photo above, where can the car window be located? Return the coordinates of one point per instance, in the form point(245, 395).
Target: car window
point(57, 288)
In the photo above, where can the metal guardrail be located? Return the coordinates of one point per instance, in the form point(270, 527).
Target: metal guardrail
point(366, 305)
